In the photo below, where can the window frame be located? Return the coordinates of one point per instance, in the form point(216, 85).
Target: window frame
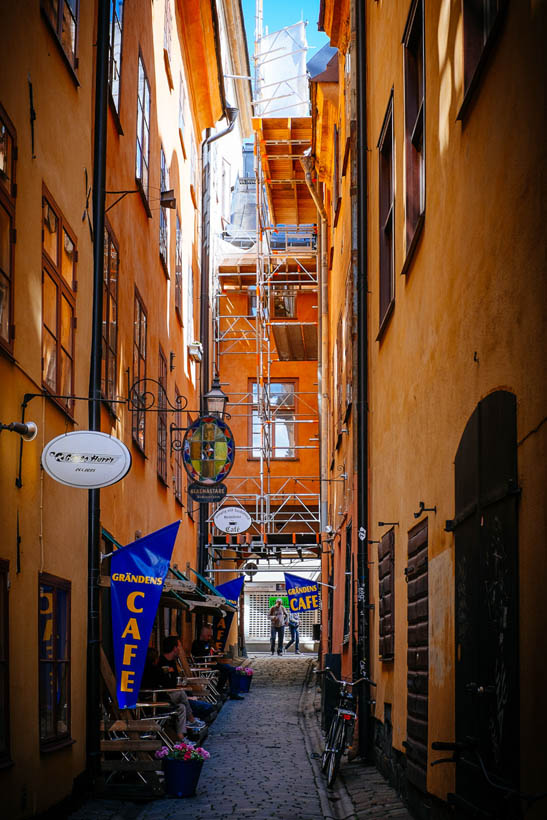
point(254, 406)
point(143, 124)
point(53, 269)
point(5, 753)
point(168, 42)
point(386, 218)
point(164, 220)
point(386, 587)
point(109, 352)
point(60, 740)
point(140, 316)
point(161, 437)
point(8, 195)
point(113, 63)
point(414, 131)
point(182, 112)
point(473, 67)
point(56, 28)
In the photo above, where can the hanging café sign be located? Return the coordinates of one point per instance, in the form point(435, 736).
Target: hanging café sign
point(208, 453)
point(86, 459)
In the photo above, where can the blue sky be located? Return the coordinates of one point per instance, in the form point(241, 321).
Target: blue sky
point(279, 13)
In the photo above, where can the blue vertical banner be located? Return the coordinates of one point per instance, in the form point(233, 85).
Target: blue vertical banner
point(137, 575)
point(302, 593)
point(231, 590)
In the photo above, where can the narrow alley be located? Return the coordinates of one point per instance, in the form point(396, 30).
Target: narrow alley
point(265, 762)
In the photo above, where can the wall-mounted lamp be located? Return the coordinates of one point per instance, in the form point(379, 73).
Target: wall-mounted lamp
point(216, 400)
point(388, 523)
point(423, 509)
point(27, 430)
point(344, 430)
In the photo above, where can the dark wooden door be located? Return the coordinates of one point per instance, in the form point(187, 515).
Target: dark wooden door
point(486, 608)
point(417, 655)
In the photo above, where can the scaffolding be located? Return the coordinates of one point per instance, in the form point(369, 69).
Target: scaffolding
point(265, 271)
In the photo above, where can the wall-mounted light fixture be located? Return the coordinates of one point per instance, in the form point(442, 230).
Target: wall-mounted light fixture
point(216, 399)
point(27, 430)
point(168, 199)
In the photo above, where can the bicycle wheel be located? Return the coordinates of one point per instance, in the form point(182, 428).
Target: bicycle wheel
point(329, 743)
point(336, 754)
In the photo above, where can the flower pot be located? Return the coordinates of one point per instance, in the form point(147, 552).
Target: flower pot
point(245, 682)
point(181, 777)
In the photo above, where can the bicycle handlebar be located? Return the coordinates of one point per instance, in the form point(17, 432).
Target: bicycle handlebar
point(345, 682)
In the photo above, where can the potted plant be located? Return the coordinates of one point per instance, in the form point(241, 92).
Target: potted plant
point(182, 767)
point(245, 674)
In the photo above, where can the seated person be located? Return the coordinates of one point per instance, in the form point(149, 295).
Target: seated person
point(162, 674)
point(203, 647)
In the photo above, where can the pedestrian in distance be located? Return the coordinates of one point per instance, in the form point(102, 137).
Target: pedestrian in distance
point(294, 625)
point(279, 618)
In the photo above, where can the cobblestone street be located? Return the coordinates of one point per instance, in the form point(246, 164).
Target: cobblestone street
point(261, 765)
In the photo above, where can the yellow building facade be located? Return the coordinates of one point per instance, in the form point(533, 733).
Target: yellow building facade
point(443, 215)
point(159, 107)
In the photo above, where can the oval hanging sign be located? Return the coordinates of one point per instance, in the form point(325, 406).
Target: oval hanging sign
point(208, 450)
point(86, 459)
point(232, 519)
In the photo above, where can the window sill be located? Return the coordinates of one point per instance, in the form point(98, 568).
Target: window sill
point(144, 197)
point(194, 196)
point(414, 242)
point(56, 745)
point(385, 321)
point(182, 144)
point(64, 55)
point(115, 115)
point(168, 69)
point(179, 501)
point(282, 458)
point(139, 449)
point(110, 410)
point(386, 658)
point(162, 481)
point(164, 266)
point(7, 351)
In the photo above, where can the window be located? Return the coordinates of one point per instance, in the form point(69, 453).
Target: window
point(139, 371)
point(167, 41)
point(280, 435)
point(251, 297)
point(178, 272)
point(54, 660)
point(8, 152)
point(109, 366)
point(284, 303)
point(336, 198)
point(162, 417)
point(225, 190)
point(177, 478)
point(413, 41)
point(386, 561)
point(182, 112)
point(143, 129)
point(189, 330)
point(115, 52)
point(193, 171)
point(63, 17)
point(164, 225)
point(479, 20)
point(59, 257)
point(4, 664)
point(387, 215)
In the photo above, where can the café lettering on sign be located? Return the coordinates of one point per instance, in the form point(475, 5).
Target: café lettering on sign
point(86, 459)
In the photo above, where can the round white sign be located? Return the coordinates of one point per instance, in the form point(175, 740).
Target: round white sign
point(86, 459)
point(232, 519)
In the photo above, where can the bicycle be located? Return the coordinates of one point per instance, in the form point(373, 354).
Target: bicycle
point(340, 735)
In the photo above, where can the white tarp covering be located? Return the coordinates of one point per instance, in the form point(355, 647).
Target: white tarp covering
point(283, 89)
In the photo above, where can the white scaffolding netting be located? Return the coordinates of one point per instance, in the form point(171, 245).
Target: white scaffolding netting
point(282, 82)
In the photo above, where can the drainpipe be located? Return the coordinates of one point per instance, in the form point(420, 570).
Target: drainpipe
point(94, 510)
point(231, 116)
point(362, 389)
point(308, 165)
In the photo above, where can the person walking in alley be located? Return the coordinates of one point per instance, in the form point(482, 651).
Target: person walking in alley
point(279, 618)
point(294, 625)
